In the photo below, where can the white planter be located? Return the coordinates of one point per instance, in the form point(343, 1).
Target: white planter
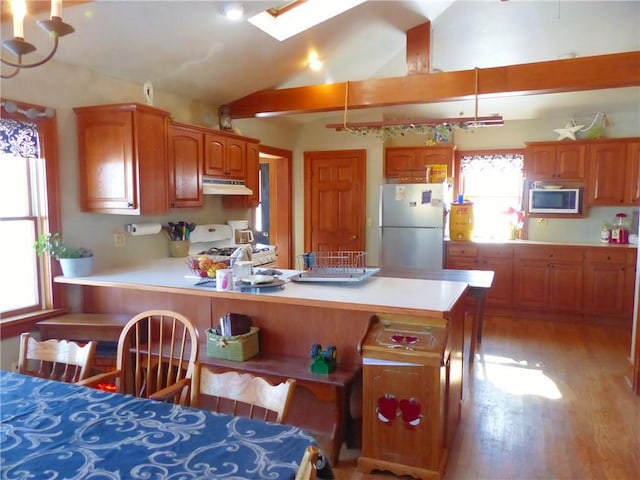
point(76, 267)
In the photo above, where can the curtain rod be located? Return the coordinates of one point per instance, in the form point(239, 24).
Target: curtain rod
point(31, 113)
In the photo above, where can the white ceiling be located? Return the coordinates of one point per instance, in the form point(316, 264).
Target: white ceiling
point(188, 48)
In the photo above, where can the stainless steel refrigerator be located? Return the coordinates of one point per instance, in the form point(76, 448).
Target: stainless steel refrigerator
point(412, 225)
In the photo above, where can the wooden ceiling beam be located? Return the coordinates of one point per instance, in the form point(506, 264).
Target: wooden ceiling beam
point(419, 49)
point(585, 73)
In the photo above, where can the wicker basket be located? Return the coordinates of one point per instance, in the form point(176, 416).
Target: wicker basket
point(238, 347)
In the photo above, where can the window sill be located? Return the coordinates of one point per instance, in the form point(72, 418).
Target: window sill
point(14, 326)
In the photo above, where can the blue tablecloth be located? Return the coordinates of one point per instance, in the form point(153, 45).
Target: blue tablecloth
point(53, 430)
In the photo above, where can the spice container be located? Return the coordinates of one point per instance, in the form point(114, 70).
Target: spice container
point(605, 233)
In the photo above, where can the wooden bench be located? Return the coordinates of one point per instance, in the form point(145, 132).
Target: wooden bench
point(105, 328)
point(334, 388)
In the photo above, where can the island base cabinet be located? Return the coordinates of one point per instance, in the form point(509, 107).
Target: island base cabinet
point(405, 398)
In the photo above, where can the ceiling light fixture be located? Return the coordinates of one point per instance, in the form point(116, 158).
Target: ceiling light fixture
point(315, 63)
point(55, 27)
point(233, 11)
point(393, 128)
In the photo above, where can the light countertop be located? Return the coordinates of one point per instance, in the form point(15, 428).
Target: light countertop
point(388, 294)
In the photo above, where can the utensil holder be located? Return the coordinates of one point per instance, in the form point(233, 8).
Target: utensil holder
point(179, 248)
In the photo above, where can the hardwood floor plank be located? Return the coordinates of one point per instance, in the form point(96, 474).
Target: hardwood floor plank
point(543, 400)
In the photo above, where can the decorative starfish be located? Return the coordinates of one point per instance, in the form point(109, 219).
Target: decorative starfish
point(569, 131)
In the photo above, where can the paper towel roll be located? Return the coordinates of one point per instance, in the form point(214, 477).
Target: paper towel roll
point(136, 229)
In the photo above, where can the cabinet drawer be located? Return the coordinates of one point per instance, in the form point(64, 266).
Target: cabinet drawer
point(497, 251)
point(455, 250)
point(546, 253)
point(607, 256)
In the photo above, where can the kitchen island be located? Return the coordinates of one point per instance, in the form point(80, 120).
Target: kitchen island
point(291, 319)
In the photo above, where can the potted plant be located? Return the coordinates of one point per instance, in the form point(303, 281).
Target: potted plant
point(74, 261)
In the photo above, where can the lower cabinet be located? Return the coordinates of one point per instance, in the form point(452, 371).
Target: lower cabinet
point(548, 278)
point(497, 258)
point(609, 282)
point(553, 278)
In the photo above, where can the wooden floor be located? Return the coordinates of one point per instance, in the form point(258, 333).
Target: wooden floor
point(543, 401)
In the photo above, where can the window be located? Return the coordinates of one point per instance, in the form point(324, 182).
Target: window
point(493, 181)
point(28, 206)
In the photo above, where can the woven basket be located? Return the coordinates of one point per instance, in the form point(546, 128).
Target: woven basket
point(238, 347)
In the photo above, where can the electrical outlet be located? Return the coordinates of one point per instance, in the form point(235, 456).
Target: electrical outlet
point(369, 222)
point(14, 366)
point(119, 239)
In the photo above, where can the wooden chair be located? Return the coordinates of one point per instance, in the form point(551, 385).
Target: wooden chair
point(61, 360)
point(308, 468)
point(242, 394)
point(157, 351)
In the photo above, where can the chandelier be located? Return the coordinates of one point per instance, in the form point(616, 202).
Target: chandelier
point(54, 27)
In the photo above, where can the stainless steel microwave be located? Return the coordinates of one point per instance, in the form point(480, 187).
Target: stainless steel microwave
point(555, 200)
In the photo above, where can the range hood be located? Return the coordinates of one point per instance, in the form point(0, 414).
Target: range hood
point(219, 186)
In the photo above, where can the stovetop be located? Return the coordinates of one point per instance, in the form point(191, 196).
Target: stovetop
point(228, 251)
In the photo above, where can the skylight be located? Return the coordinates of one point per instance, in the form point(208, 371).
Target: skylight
point(299, 16)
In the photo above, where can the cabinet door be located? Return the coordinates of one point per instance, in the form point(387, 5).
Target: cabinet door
point(632, 189)
point(107, 161)
point(252, 181)
point(185, 167)
point(498, 259)
point(629, 283)
point(435, 156)
point(399, 162)
point(606, 173)
point(236, 158)
point(531, 283)
point(570, 162)
point(604, 282)
point(565, 287)
point(539, 162)
point(214, 155)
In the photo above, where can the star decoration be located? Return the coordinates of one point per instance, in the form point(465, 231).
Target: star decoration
point(569, 131)
point(220, 343)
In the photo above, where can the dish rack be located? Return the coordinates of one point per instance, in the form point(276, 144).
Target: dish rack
point(333, 266)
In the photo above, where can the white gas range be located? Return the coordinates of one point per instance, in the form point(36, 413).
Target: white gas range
point(217, 241)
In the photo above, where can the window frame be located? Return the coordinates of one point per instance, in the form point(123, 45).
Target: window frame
point(481, 152)
point(53, 294)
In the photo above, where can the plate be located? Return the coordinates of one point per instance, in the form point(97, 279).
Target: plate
point(257, 279)
point(552, 187)
point(248, 287)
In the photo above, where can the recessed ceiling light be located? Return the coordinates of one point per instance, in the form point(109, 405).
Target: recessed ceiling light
point(233, 11)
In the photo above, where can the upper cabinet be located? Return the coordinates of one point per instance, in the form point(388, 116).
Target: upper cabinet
point(122, 151)
point(185, 166)
point(252, 180)
point(550, 161)
point(225, 156)
point(614, 167)
point(408, 164)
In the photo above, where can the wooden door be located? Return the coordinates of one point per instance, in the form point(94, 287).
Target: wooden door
point(565, 287)
point(570, 161)
point(106, 185)
point(539, 162)
point(185, 167)
point(335, 200)
point(632, 189)
point(531, 283)
point(606, 173)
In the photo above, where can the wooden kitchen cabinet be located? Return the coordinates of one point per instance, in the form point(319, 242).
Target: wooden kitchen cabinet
point(252, 181)
point(553, 160)
point(122, 152)
point(632, 175)
point(609, 282)
point(497, 258)
point(607, 169)
point(548, 277)
point(225, 156)
point(185, 166)
point(408, 164)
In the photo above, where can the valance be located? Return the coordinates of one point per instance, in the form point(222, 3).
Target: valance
point(500, 163)
point(19, 138)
